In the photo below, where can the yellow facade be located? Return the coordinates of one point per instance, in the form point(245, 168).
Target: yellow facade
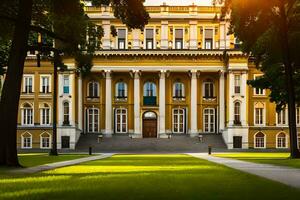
point(195, 91)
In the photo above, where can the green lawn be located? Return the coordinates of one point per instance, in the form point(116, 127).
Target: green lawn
point(153, 177)
point(35, 159)
point(265, 158)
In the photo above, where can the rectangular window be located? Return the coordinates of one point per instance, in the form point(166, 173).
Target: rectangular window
point(26, 142)
point(259, 116)
point(237, 84)
point(260, 142)
point(45, 142)
point(258, 91)
point(121, 38)
point(178, 38)
point(209, 120)
point(149, 38)
point(121, 120)
point(298, 115)
point(45, 116)
point(27, 116)
point(45, 81)
point(208, 41)
point(178, 121)
point(28, 84)
point(66, 85)
point(282, 117)
point(93, 120)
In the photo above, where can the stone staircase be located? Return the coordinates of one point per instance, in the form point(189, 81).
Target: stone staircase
point(176, 144)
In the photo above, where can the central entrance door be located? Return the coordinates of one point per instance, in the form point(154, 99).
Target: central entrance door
point(149, 125)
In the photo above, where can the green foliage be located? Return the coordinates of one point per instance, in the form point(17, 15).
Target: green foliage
point(113, 31)
point(4, 53)
point(84, 63)
point(258, 25)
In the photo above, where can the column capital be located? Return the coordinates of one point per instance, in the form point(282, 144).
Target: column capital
point(107, 73)
point(194, 73)
point(221, 73)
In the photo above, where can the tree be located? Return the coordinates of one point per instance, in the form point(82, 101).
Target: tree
point(270, 34)
point(63, 21)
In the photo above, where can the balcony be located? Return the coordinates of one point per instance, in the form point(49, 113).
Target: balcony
point(149, 101)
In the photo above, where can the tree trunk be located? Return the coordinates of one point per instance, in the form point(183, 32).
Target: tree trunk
point(289, 74)
point(12, 86)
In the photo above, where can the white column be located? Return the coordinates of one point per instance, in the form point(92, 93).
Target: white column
point(108, 104)
point(244, 78)
point(162, 103)
point(222, 101)
point(231, 100)
point(164, 44)
point(193, 111)
point(106, 37)
point(137, 120)
point(193, 35)
point(136, 38)
point(80, 103)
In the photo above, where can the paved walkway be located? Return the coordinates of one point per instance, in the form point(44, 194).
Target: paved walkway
point(286, 175)
point(31, 170)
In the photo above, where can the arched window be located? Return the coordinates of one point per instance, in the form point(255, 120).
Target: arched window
point(26, 140)
point(237, 113)
point(282, 117)
point(66, 113)
point(121, 90)
point(208, 88)
point(259, 140)
point(45, 114)
point(93, 89)
point(45, 140)
point(27, 114)
point(178, 90)
point(149, 89)
point(178, 120)
point(281, 140)
point(93, 120)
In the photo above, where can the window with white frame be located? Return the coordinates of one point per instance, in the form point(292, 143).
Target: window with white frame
point(66, 113)
point(28, 84)
point(93, 89)
point(178, 120)
point(26, 140)
point(178, 90)
point(237, 113)
point(45, 140)
point(121, 120)
point(178, 38)
point(282, 117)
point(149, 38)
point(237, 84)
point(27, 114)
point(149, 89)
point(281, 140)
point(121, 90)
point(260, 140)
point(45, 114)
point(258, 91)
point(93, 120)
point(259, 114)
point(208, 88)
point(209, 120)
point(45, 84)
point(208, 41)
point(121, 38)
point(66, 84)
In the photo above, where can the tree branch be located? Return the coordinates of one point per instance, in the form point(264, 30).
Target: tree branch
point(8, 18)
point(43, 49)
point(48, 32)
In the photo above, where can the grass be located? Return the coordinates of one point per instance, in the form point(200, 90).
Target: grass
point(35, 159)
point(281, 159)
point(150, 177)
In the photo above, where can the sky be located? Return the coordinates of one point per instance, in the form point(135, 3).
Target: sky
point(178, 2)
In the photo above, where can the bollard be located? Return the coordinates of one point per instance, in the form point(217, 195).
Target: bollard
point(209, 149)
point(90, 150)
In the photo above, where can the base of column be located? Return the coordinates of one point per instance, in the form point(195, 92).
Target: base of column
point(136, 135)
point(107, 133)
point(194, 134)
point(163, 136)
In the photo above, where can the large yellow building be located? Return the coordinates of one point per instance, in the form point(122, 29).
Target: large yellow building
point(170, 78)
